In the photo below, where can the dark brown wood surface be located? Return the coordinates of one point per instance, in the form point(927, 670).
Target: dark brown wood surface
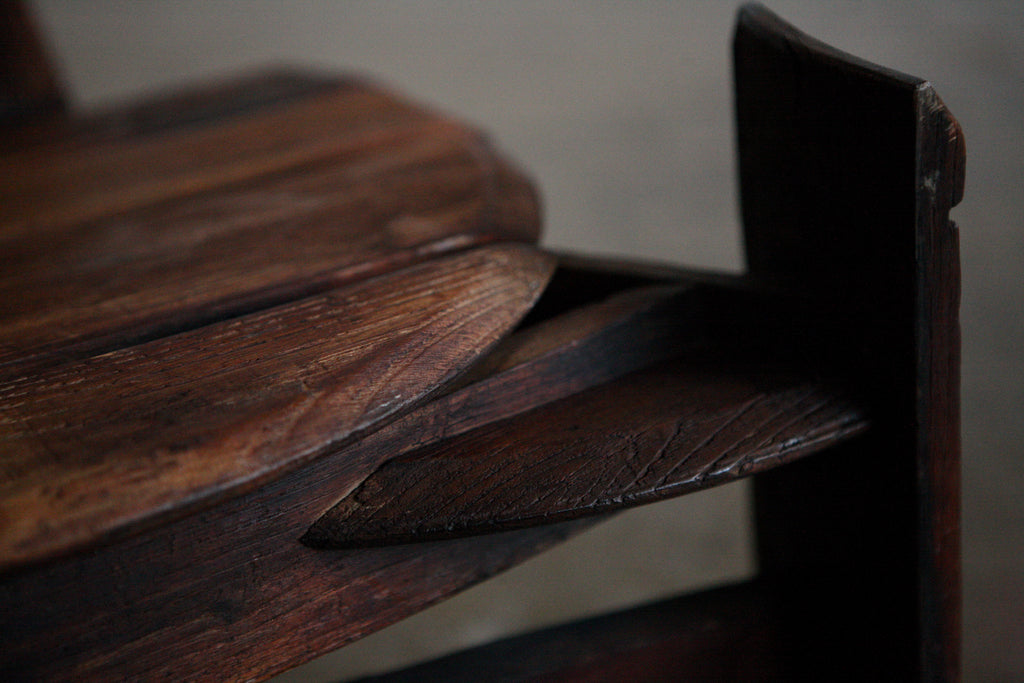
point(224, 319)
point(230, 593)
point(206, 299)
point(848, 172)
point(97, 447)
point(202, 291)
point(133, 238)
point(662, 432)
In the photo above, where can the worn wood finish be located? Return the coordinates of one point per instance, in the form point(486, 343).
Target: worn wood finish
point(661, 313)
point(537, 365)
point(100, 447)
point(226, 318)
point(230, 593)
point(848, 172)
point(188, 353)
point(351, 185)
point(191, 105)
point(96, 176)
point(684, 426)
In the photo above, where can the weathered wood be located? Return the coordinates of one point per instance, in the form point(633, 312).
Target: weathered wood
point(549, 361)
point(97, 448)
point(82, 180)
point(848, 172)
point(187, 106)
point(221, 325)
point(230, 593)
point(652, 435)
point(362, 184)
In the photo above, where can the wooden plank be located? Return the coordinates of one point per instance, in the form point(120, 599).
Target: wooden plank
point(230, 592)
point(848, 172)
point(188, 106)
point(388, 192)
point(657, 433)
point(47, 188)
point(105, 446)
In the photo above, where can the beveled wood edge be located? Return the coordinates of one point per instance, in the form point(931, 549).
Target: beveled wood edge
point(535, 267)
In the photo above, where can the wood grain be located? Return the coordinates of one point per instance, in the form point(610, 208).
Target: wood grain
point(95, 448)
point(211, 296)
point(657, 433)
point(230, 594)
point(361, 184)
point(48, 188)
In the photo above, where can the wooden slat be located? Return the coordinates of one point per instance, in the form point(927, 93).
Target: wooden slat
point(189, 106)
point(380, 186)
point(101, 446)
point(50, 188)
point(230, 593)
point(662, 432)
point(733, 633)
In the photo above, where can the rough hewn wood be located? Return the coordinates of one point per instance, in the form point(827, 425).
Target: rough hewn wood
point(98, 447)
point(848, 172)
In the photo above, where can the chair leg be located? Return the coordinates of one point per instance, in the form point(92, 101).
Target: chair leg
point(848, 172)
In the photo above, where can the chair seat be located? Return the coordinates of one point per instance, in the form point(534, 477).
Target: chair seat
point(281, 364)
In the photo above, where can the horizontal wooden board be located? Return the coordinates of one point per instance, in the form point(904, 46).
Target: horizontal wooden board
point(661, 432)
point(230, 593)
point(124, 239)
point(97, 447)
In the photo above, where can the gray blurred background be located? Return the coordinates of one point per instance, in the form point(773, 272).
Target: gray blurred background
point(621, 113)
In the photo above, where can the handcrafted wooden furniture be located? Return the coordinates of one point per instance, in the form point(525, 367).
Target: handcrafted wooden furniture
point(280, 365)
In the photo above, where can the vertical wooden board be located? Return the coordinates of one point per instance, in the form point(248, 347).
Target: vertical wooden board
point(848, 172)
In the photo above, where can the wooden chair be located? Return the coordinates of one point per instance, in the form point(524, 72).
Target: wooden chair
point(280, 365)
